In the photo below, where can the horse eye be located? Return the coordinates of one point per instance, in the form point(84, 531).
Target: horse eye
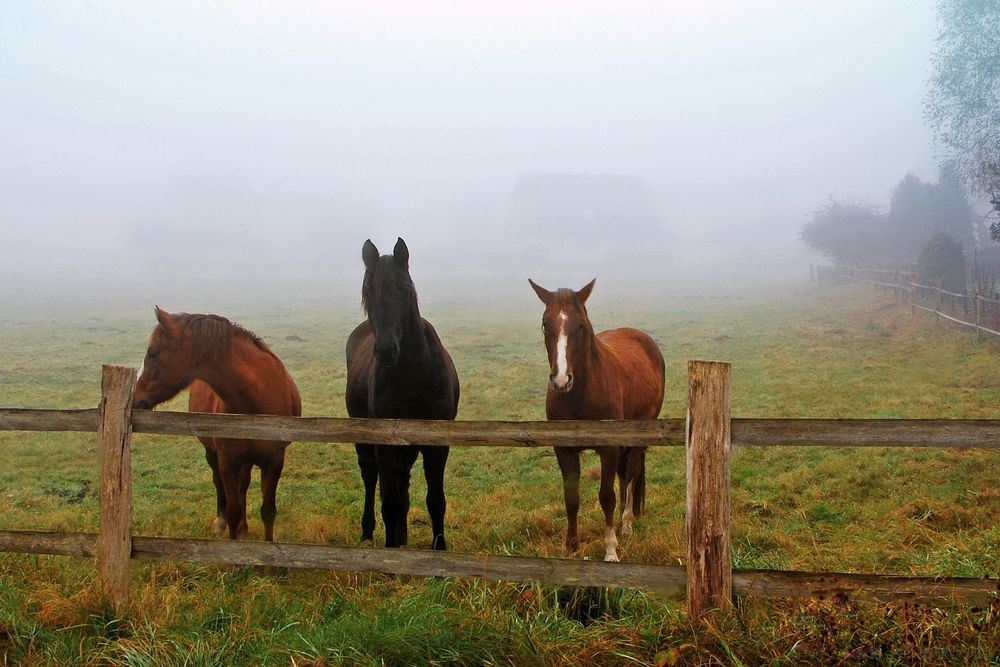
point(579, 327)
point(152, 354)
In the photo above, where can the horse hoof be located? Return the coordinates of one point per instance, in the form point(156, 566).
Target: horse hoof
point(611, 558)
point(368, 543)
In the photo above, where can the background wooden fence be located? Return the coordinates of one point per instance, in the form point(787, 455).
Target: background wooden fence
point(709, 433)
point(974, 310)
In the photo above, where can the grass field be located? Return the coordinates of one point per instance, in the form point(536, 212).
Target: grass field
point(846, 352)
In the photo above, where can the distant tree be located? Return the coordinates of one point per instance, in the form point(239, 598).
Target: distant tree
point(941, 263)
point(847, 233)
point(963, 104)
point(919, 210)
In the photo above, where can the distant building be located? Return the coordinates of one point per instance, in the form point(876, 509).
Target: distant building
point(582, 217)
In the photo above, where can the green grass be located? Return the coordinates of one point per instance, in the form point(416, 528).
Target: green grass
point(839, 353)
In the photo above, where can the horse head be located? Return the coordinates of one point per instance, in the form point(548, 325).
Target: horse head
point(167, 366)
point(568, 333)
point(389, 298)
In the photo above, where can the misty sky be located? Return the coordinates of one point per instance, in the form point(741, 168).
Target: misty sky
point(146, 139)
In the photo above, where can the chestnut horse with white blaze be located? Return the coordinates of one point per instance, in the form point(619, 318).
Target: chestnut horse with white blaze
point(615, 374)
point(228, 369)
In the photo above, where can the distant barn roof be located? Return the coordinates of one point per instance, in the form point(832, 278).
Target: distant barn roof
point(596, 206)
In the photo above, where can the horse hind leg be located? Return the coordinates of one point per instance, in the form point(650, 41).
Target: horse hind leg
point(633, 486)
point(435, 459)
point(269, 477)
point(245, 472)
point(609, 467)
point(368, 463)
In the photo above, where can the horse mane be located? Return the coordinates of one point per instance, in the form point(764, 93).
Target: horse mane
point(212, 334)
point(372, 288)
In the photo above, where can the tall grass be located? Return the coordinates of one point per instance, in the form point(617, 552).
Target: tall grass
point(838, 353)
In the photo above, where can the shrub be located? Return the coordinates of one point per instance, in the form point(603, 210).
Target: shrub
point(942, 264)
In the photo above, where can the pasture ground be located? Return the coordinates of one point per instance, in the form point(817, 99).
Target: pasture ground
point(844, 352)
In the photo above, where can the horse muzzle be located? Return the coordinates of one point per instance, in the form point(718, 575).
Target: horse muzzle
point(141, 404)
point(563, 388)
point(387, 355)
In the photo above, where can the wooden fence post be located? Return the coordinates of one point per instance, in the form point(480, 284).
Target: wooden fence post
point(114, 459)
point(709, 448)
point(979, 316)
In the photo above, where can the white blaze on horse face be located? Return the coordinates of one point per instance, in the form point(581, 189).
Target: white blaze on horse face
point(142, 367)
point(562, 376)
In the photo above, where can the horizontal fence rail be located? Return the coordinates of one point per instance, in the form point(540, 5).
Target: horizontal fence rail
point(975, 311)
point(667, 580)
point(114, 422)
point(746, 432)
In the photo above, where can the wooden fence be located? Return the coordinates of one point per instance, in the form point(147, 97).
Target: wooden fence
point(709, 433)
point(974, 311)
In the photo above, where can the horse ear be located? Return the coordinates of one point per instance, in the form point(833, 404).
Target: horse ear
point(401, 253)
point(585, 291)
point(369, 253)
point(163, 317)
point(542, 293)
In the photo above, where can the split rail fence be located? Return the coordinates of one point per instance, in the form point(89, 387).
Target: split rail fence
point(974, 311)
point(708, 433)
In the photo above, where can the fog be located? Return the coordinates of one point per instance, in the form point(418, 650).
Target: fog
point(158, 148)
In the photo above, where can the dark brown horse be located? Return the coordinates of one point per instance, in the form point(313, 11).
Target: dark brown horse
point(228, 369)
point(398, 368)
point(616, 374)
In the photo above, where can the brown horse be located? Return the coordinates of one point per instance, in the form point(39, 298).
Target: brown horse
point(616, 374)
point(228, 369)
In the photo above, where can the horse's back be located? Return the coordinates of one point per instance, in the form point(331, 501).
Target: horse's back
point(640, 367)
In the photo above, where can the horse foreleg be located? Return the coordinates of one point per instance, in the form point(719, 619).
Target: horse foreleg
point(220, 492)
point(569, 466)
point(368, 464)
point(435, 459)
point(269, 477)
point(609, 467)
point(394, 489)
point(230, 473)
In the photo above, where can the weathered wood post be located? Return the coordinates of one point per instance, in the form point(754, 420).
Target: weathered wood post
point(114, 459)
point(709, 448)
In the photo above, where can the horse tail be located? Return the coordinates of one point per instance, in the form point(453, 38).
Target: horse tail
point(639, 490)
point(632, 470)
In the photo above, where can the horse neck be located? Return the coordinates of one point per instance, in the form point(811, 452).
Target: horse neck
point(589, 369)
point(231, 375)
